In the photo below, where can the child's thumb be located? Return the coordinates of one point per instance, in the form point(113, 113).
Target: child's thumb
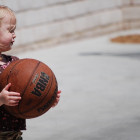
point(7, 86)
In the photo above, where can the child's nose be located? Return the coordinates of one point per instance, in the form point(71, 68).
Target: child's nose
point(14, 35)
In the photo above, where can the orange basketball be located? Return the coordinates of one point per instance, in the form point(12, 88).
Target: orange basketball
point(36, 83)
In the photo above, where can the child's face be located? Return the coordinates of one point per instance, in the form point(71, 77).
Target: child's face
point(7, 34)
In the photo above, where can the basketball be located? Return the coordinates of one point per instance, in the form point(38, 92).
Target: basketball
point(35, 82)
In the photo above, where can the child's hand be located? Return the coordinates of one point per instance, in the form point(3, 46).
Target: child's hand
point(9, 98)
point(57, 98)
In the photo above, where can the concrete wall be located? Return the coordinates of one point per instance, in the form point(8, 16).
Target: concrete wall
point(49, 22)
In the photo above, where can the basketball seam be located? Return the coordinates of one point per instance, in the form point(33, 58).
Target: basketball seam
point(27, 86)
point(11, 71)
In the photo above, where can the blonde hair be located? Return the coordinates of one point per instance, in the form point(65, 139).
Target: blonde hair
point(6, 11)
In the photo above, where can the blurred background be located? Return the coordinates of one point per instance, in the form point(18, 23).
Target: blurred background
point(50, 22)
point(93, 48)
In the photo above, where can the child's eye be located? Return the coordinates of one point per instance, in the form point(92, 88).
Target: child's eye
point(11, 31)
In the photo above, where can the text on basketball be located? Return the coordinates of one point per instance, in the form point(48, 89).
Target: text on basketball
point(41, 84)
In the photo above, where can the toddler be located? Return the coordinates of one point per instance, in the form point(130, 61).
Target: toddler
point(10, 126)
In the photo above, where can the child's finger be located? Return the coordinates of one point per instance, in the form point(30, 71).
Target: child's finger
point(14, 94)
point(13, 103)
point(58, 96)
point(15, 98)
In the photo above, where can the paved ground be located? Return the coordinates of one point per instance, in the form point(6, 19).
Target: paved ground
point(100, 83)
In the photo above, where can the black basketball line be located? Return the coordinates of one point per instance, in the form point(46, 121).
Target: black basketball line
point(44, 96)
point(40, 101)
point(27, 85)
point(12, 70)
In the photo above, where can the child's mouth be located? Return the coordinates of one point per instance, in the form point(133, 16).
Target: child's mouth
point(11, 43)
